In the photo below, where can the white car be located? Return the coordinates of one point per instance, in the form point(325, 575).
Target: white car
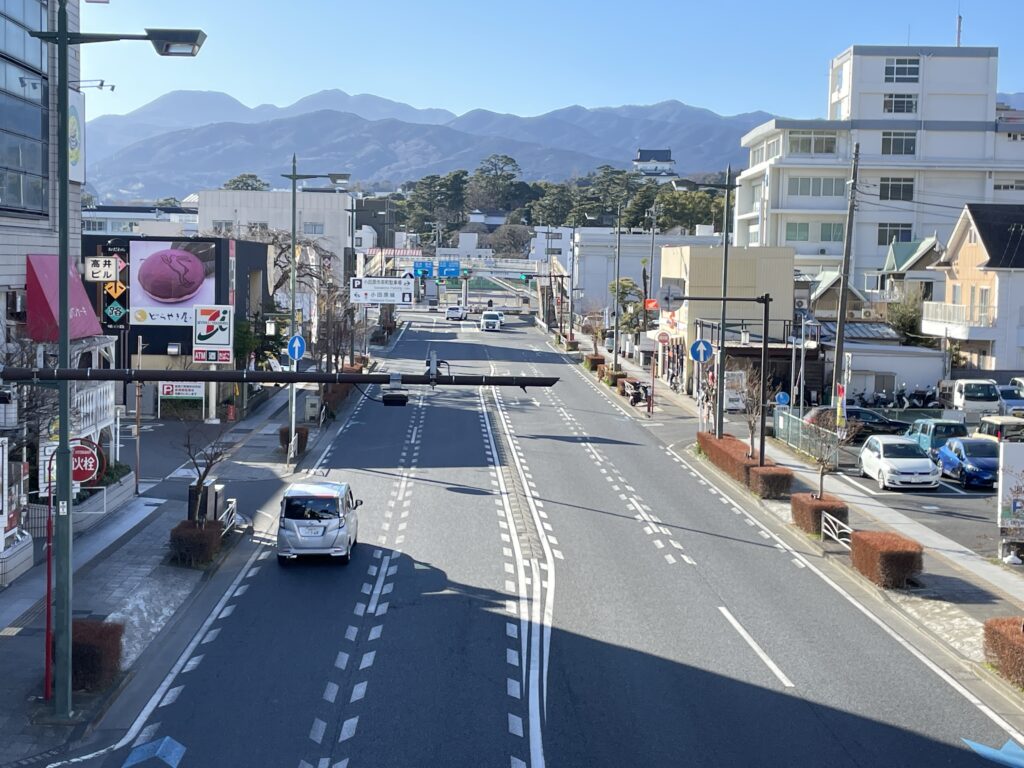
point(501, 319)
point(455, 313)
point(897, 462)
point(318, 519)
point(490, 321)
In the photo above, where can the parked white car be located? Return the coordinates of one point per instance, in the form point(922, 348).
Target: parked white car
point(897, 462)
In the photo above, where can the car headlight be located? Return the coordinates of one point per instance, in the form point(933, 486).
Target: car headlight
point(972, 468)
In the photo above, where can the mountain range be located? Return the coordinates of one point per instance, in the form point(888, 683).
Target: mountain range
point(184, 141)
point(189, 140)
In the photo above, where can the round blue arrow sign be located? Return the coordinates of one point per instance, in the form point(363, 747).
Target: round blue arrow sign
point(782, 398)
point(701, 350)
point(296, 347)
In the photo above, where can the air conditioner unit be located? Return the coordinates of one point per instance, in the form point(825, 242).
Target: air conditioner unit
point(852, 314)
point(821, 251)
point(799, 304)
point(867, 314)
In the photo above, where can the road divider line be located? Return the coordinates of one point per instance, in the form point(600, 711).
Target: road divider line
point(755, 647)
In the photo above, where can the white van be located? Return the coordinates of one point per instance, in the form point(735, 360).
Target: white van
point(975, 396)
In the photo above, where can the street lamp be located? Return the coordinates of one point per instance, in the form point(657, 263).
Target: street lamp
point(168, 42)
point(294, 176)
point(615, 293)
point(692, 186)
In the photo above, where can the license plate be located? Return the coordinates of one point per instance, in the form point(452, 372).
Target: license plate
point(311, 531)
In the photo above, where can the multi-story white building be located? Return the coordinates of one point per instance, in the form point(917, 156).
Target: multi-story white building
point(154, 221)
point(321, 214)
point(932, 137)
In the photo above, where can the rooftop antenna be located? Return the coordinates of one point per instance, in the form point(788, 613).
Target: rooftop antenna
point(959, 25)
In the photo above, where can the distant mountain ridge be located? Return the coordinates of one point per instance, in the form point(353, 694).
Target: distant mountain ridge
point(186, 140)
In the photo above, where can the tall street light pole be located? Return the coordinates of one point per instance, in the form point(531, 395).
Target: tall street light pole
point(690, 186)
point(293, 268)
point(168, 42)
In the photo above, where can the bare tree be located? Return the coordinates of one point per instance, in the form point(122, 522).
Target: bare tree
point(307, 272)
point(750, 395)
point(823, 440)
point(203, 456)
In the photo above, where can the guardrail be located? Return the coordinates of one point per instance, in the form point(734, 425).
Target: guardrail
point(229, 516)
point(837, 530)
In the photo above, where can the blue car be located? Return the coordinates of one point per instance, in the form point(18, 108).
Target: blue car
point(972, 461)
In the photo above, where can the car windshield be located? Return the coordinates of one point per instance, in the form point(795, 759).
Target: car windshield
point(1011, 393)
point(980, 391)
point(903, 451)
point(310, 508)
point(490, 316)
point(946, 431)
point(983, 449)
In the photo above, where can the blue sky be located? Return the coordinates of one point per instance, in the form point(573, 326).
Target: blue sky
point(528, 56)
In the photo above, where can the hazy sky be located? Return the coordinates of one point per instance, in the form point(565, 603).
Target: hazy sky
point(528, 56)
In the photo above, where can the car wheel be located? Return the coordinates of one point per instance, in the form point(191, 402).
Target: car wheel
point(881, 480)
point(282, 560)
point(963, 479)
point(860, 468)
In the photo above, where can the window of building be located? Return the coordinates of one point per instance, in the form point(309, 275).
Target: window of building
point(773, 148)
point(121, 226)
point(94, 225)
point(816, 186)
point(896, 188)
point(313, 227)
point(554, 236)
point(359, 242)
point(223, 227)
point(1008, 185)
point(798, 231)
point(553, 251)
point(901, 233)
point(900, 103)
point(1015, 137)
point(832, 232)
point(757, 155)
point(898, 70)
point(899, 142)
point(957, 294)
point(258, 227)
point(972, 235)
point(812, 142)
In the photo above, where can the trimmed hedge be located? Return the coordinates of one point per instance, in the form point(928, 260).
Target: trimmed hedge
point(1004, 647)
point(887, 559)
point(194, 543)
point(590, 362)
point(95, 653)
point(728, 454)
point(770, 482)
point(806, 509)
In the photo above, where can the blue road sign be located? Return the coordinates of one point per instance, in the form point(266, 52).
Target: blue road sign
point(296, 347)
point(423, 268)
point(782, 398)
point(701, 350)
point(448, 269)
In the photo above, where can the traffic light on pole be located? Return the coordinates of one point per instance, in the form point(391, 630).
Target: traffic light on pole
point(525, 277)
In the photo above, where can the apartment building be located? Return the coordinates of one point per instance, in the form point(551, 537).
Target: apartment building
point(932, 137)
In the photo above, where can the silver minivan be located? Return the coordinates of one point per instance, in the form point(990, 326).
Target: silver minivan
point(317, 519)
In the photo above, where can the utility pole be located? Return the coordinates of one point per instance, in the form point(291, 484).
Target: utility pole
point(720, 381)
point(654, 228)
point(615, 292)
point(838, 367)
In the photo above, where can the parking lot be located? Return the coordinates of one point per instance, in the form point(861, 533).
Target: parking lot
point(968, 517)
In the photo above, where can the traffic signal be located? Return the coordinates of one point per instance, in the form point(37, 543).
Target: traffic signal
point(466, 272)
point(525, 277)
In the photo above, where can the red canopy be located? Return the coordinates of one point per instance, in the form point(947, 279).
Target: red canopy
point(41, 278)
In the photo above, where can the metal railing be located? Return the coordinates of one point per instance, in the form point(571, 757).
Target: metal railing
point(982, 316)
point(837, 530)
point(228, 516)
point(806, 438)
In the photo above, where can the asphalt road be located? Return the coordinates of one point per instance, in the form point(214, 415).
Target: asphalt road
point(542, 579)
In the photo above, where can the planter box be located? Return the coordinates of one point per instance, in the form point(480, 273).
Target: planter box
point(572, 346)
point(16, 559)
point(887, 559)
point(770, 482)
point(1004, 647)
point(806, 511)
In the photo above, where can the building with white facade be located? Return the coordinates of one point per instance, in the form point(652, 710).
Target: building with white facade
point(468, 248)
point(655, 164)
point(322, 214)
point(149, 220)
point(931, 137)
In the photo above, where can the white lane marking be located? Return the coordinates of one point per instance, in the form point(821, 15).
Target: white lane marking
point(228, 610)
point(241, 590)
point(211, 635)
point(360, 609)
point(375, 632)
point(689, 560)
point(316, 732)
point(367, 660)
point(348, 729)
point(331, 692)
point(513, 688)
point(358, 692)
point(515, 725)
point(147, 734)
point(341, 661)
point(512, 656)
point(670, 559)
point(172, 695)
point(193, 663)
point(755, 647)
point(351, 633)
point(797, 563)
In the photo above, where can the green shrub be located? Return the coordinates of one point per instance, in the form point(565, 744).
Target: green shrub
point(806, 509)
point(95, 653)
point(611, 378)
point(887, 559)
point(195, 543)
point(771, 482)
point(1004, 647)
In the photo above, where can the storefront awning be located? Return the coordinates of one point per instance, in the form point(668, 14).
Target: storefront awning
point(41, 278)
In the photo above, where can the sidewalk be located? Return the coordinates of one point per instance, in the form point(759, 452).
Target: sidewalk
point(958, 589)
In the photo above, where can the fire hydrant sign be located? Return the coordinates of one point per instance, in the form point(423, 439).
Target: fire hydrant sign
point(85, 463)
